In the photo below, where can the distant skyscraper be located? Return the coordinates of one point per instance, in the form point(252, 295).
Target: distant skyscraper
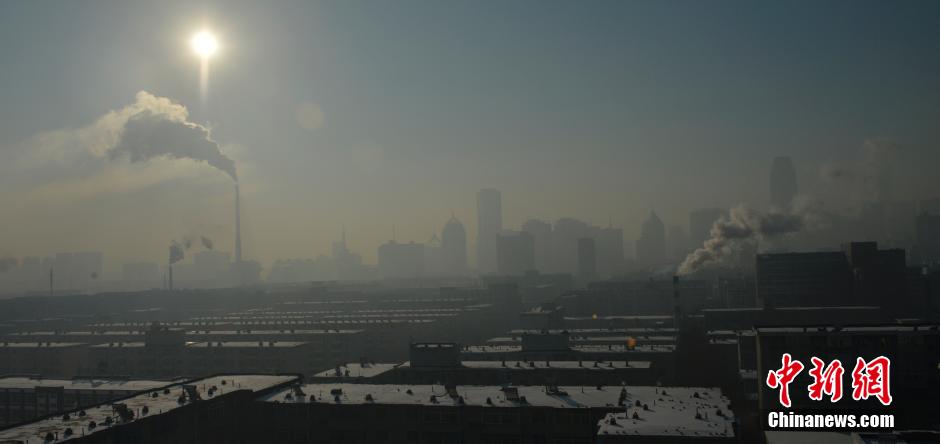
point(587, 258)
point(700, 225)
point(489, 224)
point(542, 236)
point(677, 246)
point(515, 252)
point(651, 246)
point(565, 235)
point(608, 244)
point(782, 183)
point(454, 247)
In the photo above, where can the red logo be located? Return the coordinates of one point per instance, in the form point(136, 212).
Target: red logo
point(827, 380)
point(783, 377)
point(869, 379)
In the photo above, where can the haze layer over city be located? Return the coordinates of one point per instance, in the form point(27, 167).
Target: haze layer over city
point(480, 222)
point(387, 119)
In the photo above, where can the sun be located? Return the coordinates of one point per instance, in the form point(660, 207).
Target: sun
point(204, 44)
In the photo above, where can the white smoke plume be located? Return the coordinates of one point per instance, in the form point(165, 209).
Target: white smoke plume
point(122, 150)
point(745, 227)
point(147, 135)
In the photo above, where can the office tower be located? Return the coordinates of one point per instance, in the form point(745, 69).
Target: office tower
point(565, 237)
point(454, 247)
point(515, 252)
point(608, 243)
point(489, 224)
point(700, 225)
point(651, 246)
point(542, 236)
point(587, 258)
point(782, 183)
point(676, 243)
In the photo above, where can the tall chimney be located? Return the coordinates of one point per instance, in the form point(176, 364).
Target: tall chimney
point(238, 228)
point(170, 286)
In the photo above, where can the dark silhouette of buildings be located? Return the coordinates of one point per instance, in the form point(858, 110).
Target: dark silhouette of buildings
point(515, 252)
point(860, 274)
point(489, 224)
point(782, 183)
point(587, 259)
point(651, 246)
point(454, 247)
point(542, 237)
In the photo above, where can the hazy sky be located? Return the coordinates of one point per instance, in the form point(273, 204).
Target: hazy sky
point(371, 114)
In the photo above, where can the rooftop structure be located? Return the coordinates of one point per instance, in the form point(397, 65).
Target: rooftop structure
point(104, 417)
point(688, 413)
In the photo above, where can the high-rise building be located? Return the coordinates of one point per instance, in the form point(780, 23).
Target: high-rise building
point(542, 236)
point(515, 252)
point(609, 247)
point(489, 224)
point(651, 246)
point(565, 237)
point(700, 225)
point(676, 244)
point(587, 258)
point(454, 247)
point(782, 183)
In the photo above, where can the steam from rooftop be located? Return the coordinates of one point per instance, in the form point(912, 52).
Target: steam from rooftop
point(745, 226)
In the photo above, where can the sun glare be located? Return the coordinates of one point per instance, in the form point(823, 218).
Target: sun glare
point(204, 44)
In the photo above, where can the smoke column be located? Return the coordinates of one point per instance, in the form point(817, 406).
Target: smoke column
point(147, 135)
point(238, 227)
point(743, 226)
point(176, 252)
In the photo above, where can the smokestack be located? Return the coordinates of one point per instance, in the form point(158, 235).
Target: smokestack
point(238, 228)
point(677, 307)
point(170, 286)
point(51, 288)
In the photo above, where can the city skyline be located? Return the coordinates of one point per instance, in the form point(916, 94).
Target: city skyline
point(325, 142)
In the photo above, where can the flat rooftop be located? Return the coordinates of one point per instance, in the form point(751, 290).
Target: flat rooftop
point(163, 402)
point(560, 365)
point(597, 331)
point(246, 344)
point(358, 370)
point(24, 345)
point(106, 384)
point(681, 414)
point(618, 348)
point(850, 329)
point(567, 397)
point(289, 331)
